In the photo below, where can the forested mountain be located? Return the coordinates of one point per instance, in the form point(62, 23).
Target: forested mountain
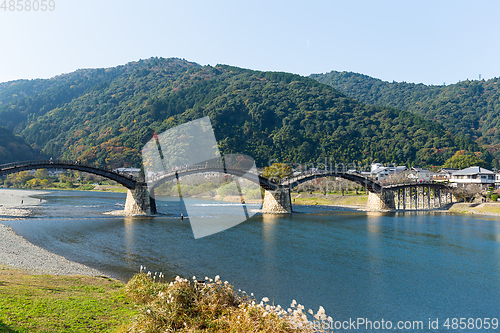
point(470, 108)
point(105, 116)
point(13, 148)
point(23, 88)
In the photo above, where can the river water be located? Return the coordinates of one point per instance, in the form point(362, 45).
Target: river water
point(355, 264)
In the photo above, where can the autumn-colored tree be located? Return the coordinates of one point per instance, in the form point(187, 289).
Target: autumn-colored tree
point(42, 174)
point(21, 178)
point(277, 171)
point(35, 182)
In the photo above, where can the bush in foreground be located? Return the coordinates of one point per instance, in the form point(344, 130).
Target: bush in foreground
point(208, 306)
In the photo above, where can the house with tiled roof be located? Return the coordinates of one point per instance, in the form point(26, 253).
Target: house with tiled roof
point(474, 176)
point(420, 174)
point(444, 174)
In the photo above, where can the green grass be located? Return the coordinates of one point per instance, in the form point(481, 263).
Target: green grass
point(60, 186)
point(350, 192)
point(348, 200)
point(45, 303)
point(116, 189)
point(488, 209)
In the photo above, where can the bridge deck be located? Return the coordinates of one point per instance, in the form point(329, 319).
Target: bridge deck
point(131, 182)
point(126, 180)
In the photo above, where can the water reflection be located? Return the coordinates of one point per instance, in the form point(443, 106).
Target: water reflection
point(375, 272)
point(128, 224)
point(270, 223)
point(374, 221)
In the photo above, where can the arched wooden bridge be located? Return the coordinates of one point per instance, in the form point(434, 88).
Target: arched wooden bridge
point(126, 180)
point(402, 196)
point(163, 177)
point(369, 184)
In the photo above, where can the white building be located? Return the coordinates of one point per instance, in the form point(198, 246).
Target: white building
point(497, 180)
point(474, 176)
point(419, 174)
point(376, 166)
point(380, 172)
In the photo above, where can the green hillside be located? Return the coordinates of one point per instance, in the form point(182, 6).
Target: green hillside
point(12, 90)
point(104, 116)
point(13, 148)
point(470, 108)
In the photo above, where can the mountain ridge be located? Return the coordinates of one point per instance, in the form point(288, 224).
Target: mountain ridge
point(105, 116)
point(469, 108)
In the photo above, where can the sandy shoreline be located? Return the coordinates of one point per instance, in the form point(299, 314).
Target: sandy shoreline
point(17, 252)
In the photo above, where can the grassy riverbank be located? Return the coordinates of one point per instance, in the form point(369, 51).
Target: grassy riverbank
point(360, 201)
point(53, 303)
point(492, 209)
point(97, 188)
point(48, 303)
point(353, 200)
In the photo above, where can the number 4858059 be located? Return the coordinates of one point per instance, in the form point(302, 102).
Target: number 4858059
point(28, 5)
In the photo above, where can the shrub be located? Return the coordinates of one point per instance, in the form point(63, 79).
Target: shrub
point(229, 189)
point(254, 194)
point(494, 197)
point(209, 306)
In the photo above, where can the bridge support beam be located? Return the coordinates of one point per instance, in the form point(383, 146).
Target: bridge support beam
point(139, 202)
point(277, 202)
point(381, 201)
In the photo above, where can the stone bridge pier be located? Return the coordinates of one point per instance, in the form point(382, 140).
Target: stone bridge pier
point(139, 202)
point(277, 201)
point(381, 201)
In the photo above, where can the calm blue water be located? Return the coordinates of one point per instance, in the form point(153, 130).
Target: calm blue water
point(370, 265)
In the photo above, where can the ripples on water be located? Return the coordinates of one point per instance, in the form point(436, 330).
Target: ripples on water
point(355, 264)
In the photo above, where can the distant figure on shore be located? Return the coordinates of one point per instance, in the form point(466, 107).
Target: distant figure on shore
point(22, 201)
point(182, 216)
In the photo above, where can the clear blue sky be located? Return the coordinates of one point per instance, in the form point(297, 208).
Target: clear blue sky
point(415, 41)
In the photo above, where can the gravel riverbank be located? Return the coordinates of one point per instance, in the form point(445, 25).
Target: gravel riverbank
point(17, 252)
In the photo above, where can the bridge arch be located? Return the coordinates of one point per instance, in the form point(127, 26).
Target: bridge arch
point(128, 181)
point(139, 200)
point(264, 182)
point(370, 185)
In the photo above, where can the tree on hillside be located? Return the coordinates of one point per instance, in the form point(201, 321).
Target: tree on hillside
point(461, 160)
point(42, 174)
point(277, 171)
